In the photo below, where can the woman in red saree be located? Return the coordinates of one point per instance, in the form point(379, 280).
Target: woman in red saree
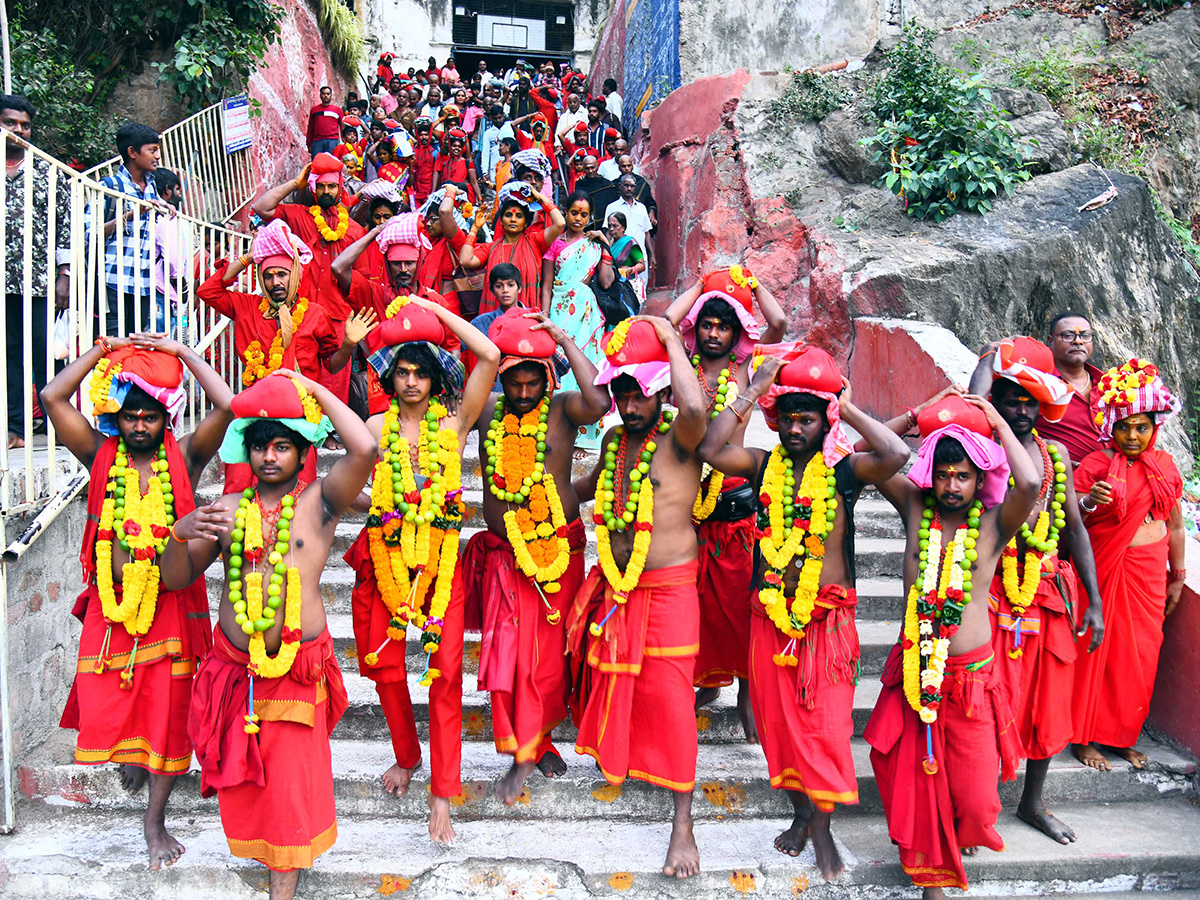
point(516, 241)
point(1130, 502)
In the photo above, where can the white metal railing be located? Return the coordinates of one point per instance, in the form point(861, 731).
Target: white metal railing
point(157, 295)
point(216, 184)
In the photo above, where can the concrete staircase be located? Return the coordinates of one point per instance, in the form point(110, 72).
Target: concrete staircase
point(577, 836)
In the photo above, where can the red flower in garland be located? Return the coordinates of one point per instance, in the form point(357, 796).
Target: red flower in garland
point(291, 634)
point(133, 529)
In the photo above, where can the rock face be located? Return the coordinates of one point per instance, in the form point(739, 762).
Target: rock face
point(788, 199)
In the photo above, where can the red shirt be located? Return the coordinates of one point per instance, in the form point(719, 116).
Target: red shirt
point(438, 264)
point(300, 220)
point(324, 123)
point(1077, 431)
point(526, 254)
point(423, 161)
point(451, 169)
point(365, 294)
point(314, 340)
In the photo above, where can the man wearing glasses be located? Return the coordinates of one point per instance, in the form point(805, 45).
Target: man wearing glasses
point(1071, 342)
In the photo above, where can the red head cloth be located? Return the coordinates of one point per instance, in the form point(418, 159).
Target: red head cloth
point(402, 237)
point(1030, 364)
point(953, 410)
point(807, 370)
point(551, 93)
point(273, 397)
point(158, 374)
point(351, 121)
point(392, 125)
point(593, 152)
point(537, 119)
point(411, 323)
point(954, 418)
point(457, 133)
point(325, 168)
point(611, 133)
point(633, 348)
point(581, 128)
point(276, 246)
point(734, 285)
point(518, 342)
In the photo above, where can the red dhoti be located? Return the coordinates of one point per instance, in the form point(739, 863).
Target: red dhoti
point(390, 674)
point(291, 822)
point(1113, 685)
point(145, 725)
point(1035, 658)
point(522, 658)
point(805, 713)
point(931, 816)
point(726, 564)
point(633, 696)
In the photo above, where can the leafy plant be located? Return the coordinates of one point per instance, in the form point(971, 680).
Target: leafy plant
point(948, 148)
point(214, 58)
point(1182, 230)
point(1052, 75)
point(343, 38)
point(809, 97)
point(67, 124)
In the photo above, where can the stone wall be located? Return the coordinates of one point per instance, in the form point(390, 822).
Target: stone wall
point(43, 636)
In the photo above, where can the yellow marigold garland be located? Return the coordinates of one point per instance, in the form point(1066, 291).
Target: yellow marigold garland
point(534, 522)
point(410, 532)
point(796, 525)
point(327, 233)
point(396, 305)
point(99, 385)
point(726, 393)
point(260, 365)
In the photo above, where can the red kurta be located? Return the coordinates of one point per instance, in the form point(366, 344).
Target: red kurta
point(726, 565)
point(147, 725)
point(632, 697)
point(274, 788)
point(436, 269)
point(314, 340)
point(1077, 430)
point(526, 254)
point(932, 816)
point(805, 713)
point(390, 674)
point(366, 295)
point(522, 656)
point(1035, 658)
point(300, 220)
point(1114, 684)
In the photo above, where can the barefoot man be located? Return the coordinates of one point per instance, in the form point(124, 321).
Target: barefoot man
point(1033, 598)
point(270, 693)
point(716, 319)
point(406, 557)
point(140, 641)
point(525, 569)
point(634, 628)
point(942, 731)
point(803, 648)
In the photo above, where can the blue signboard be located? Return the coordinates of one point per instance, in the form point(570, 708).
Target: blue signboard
point(651, 55)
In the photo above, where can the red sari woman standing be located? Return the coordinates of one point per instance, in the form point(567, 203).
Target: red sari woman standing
point(1130, 503)
point(516, 241)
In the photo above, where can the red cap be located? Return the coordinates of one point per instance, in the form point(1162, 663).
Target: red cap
point(352, 121)
point(325, 165)
point(581, 128)
point(811, 370)
point(391, 124)
point(411, 323)
point(953, 410)
point(551, 93)
point(273, 397)
point(1027, 351)
point(457, 133)
point(611, 133)
point(721, 282)
point(538, 117)
point(641, 346)
point(152, 366)
point(514, 335)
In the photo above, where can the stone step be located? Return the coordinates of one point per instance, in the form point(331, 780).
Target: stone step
point(87, 855)
point(732, 782)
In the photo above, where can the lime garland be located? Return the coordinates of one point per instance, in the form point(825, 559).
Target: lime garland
point(725, 393)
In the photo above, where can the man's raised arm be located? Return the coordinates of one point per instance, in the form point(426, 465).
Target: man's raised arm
point(266, 204)
point(692, 416)
point(1023, 492)
point(591, 402)
point(682, 304)
point(886, 453)
point(71, 427)
point(343, 267)
point(717, 448)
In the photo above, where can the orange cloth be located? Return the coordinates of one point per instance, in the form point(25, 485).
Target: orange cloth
point(146, 725)
point(726, 563)
point(1113, 685)
point(274, 788)
point(522, 656)
point(805, 713)
point(1039, 680)
point(390, 675)
point(931, 816)
point(632, 697)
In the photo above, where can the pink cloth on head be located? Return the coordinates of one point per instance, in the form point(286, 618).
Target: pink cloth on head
point(985, 453)
point(276, 239)
point(402, 228)
point(651, 376)
point(174, 399)
point(837, 444)
point(750, 330)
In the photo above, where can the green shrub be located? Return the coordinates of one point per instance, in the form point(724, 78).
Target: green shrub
point(948, 147)
point(343, 38)
point(1052, 75)
point(68, 124)
point(1182, 230)
point(809, 97)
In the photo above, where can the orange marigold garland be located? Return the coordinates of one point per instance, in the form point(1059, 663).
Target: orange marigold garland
point(260, 365)
point(412, 532)
point(516, 475)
